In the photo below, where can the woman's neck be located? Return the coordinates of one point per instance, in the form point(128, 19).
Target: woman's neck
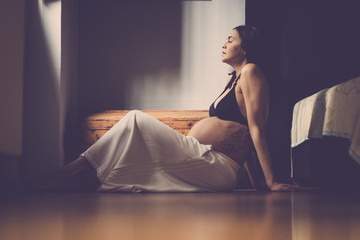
point(239, 67)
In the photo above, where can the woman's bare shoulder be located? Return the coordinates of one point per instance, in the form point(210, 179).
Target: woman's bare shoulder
point(251, 69)
point(253, 75)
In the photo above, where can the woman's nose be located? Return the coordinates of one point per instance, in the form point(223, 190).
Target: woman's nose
point(223, 46)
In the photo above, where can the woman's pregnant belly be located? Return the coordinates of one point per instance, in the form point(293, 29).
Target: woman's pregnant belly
point(228, 137)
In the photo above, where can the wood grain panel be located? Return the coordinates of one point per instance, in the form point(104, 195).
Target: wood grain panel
point(96, 125)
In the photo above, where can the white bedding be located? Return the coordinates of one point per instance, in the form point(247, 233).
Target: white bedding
point(331, 112)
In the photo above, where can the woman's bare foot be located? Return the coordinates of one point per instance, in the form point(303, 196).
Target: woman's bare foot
point(80, 174)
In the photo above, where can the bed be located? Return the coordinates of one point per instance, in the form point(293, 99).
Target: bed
point(325, 137)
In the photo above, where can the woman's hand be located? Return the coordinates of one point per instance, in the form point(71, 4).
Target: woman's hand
point(283, 187)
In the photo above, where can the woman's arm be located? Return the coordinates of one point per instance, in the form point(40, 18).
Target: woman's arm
point(251, 168)
point(254, 88)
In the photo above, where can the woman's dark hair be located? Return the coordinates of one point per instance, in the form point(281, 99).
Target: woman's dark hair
point(249, 41)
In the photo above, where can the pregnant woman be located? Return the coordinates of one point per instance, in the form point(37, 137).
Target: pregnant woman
point(142, 154)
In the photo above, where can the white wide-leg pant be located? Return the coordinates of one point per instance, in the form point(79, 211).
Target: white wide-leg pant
point(140, 153)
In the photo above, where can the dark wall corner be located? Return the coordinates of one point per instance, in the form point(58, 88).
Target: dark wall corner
point(307, 45)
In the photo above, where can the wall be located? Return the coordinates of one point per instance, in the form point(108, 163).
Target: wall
point(205, 27)
point(12, 15)
point(308, 45)
point(41, 133)
point(153, 54)
point(69, 79)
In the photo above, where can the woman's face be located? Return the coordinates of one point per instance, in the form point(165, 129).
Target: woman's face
point(232, 53)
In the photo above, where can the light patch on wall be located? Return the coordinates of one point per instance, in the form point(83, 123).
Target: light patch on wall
point(167, 57)
point(205, 27)
point(50, 14)
point(201, 75)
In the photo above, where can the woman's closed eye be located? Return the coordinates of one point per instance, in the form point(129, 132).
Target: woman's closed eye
point(229, 39)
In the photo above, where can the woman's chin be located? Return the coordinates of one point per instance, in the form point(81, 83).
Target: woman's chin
point(226, 61)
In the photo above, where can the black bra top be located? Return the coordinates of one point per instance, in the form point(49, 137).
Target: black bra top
point(227, 108)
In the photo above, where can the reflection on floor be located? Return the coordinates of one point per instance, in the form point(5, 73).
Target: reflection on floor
point(191, 216)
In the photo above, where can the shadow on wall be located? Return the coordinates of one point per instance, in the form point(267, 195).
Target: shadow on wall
point(118, 42)
point(320, 45)
point(308, 45)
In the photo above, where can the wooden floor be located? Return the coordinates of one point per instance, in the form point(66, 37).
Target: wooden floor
point(192, 216)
